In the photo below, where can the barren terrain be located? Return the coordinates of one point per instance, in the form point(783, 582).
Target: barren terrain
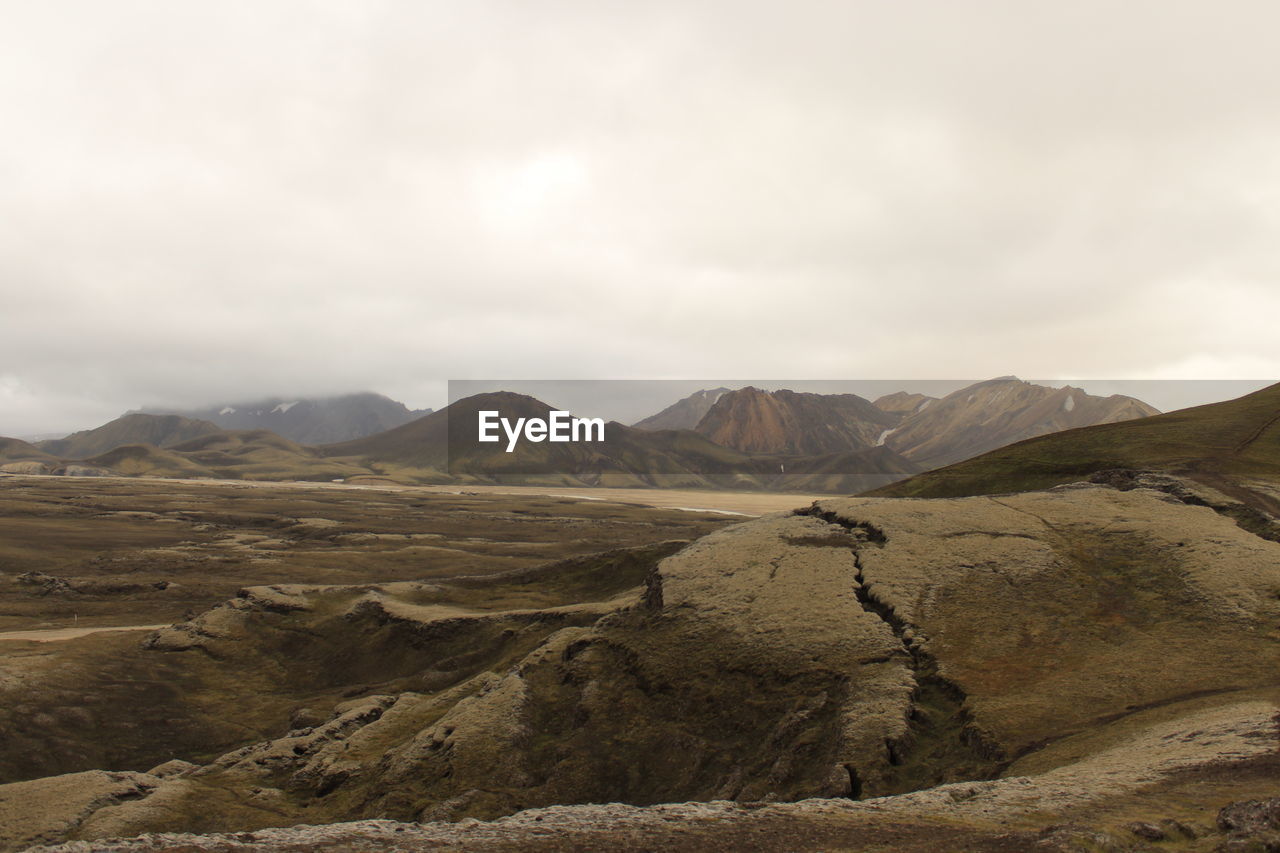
point(80, 557)
point(114, 551)
point(1092, 667)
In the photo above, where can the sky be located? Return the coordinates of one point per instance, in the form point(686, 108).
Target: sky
point(209, 202)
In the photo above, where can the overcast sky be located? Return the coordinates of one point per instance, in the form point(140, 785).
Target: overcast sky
point(216, 201)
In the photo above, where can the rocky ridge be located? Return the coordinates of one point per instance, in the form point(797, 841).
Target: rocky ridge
point(999, 412)
point(684, 413)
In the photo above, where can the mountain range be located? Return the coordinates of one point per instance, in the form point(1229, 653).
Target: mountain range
point(308, 420)
point(991, 414)
point(786, 422)
point(443, 443)
point(1233, 446)
point(928, 431)
point(743, 439)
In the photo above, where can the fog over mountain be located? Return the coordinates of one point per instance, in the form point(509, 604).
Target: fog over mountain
point(210, 202)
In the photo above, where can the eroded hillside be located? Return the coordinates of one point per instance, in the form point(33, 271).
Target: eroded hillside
point(1083, 650)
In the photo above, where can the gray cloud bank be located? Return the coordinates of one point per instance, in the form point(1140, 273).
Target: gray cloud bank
point(222, 201)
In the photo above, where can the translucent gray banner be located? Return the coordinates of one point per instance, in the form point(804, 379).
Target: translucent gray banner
point(838, 436)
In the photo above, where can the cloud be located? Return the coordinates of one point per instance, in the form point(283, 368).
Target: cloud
point(232, 200)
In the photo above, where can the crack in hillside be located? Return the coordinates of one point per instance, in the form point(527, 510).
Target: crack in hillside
point(1040, 518)
point(942, 744)
point(1244, 445)
point(1240, 508)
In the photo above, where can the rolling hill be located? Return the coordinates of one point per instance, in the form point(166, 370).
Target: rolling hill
point(17, 450)
point(19, 457)
point(844, 473)
point(220, 454)
point(147, 460)
point(262, 455)
point(1222, 444)
point(135, 428)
